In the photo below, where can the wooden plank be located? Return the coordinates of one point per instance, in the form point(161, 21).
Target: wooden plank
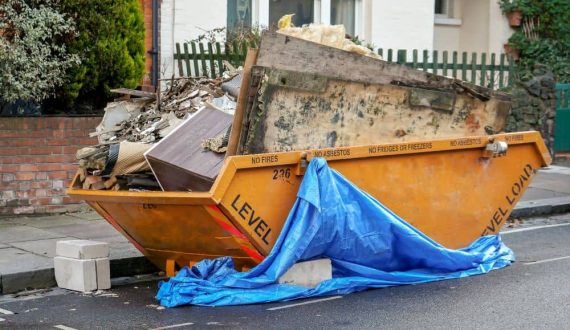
point(293, 54)
point(492, 72)
point(350, 113)
point(402, 56)
point(444, 69)
point(511, 70)
point(241, 102)
point(235, 53)
point(133, 92)
point(203, 60)
point(219, 56)
point(415, 59)
point(212, 63)
point(425, 60)
point(502, 71)
point(473, 67)
point(187, 60)
point(434, 64)
point(483, 69)
point(195, 59)
point(464, 66)
point(454, 65)
point(390, 55)
point(180, 70)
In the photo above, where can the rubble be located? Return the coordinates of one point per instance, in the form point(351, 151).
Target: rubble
point(140, 120)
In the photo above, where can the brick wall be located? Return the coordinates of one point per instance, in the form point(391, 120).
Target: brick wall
point(36, 162)
point(146, 6)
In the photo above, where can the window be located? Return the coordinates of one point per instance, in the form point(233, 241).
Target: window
point(343, 12)
point(239, 15)
point(303, 10)
point(441, 7)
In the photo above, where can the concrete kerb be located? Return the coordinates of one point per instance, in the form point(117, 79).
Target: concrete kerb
point(45, 278)
point(132, 266)
point(540, 207)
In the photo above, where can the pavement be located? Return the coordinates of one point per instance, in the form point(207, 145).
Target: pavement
point(27, 244)
point(532, 293)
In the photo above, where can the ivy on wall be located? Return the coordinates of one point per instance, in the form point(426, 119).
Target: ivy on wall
point(543, 37)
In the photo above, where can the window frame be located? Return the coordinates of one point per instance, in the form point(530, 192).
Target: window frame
point(322, 14)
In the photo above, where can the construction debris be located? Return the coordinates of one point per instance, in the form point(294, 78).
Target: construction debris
point(130, 127)
point(181, 162)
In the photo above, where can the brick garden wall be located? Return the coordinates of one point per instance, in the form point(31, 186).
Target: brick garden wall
point(36, 162)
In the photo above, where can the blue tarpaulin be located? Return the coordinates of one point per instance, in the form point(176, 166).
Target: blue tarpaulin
point(369, 247)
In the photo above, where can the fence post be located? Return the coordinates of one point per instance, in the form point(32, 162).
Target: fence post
point(219, 56)
point(473, 68)
point(434, 65)
point(180, 71)
point(483, 69)
point(444, 63)
point(511, 70)
point(492, 73)
point(187, 59)
point(425, 60)
point(454, 65)
point(195, 59)
point(415, 59)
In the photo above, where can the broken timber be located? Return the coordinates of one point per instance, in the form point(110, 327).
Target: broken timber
point(306, 95)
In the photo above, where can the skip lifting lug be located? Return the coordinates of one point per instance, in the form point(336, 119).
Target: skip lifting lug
point(302, 165)
point(495, 149)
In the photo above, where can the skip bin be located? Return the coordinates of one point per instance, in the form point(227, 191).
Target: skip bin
point(453, 190)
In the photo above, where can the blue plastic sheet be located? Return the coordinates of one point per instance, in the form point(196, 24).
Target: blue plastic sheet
point(369, 247)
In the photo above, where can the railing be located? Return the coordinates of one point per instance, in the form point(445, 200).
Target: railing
point(492, 71)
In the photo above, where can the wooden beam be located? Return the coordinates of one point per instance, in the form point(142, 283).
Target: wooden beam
point(241, 102)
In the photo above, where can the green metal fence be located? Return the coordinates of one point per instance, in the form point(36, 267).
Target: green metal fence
point(562, 130)
point(492, 71)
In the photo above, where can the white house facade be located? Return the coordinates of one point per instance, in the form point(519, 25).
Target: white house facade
point(462, 25)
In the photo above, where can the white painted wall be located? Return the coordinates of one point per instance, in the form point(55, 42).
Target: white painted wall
point(482, 28)
point(404, 24)
point(185, 20)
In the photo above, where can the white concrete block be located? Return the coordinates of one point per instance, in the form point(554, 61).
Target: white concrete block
point(308, 273)
point(75, 274)
point(82, 249)
point(103, 273)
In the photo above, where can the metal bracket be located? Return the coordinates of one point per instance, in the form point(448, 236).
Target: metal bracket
point(495, 149)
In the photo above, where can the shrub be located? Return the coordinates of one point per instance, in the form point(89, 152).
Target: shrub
point(33, 57)
point(110, 42)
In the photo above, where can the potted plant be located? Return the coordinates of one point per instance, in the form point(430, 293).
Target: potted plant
point(512, 10)
point(516, 42)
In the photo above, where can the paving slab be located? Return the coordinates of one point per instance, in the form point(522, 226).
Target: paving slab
point(49, 221)
point(552, 181)
point(92, 230)
point(44, 247)
point(15, 233)
point(14, 260)
point(533, 193)
point(123, 250)
point(87, 215)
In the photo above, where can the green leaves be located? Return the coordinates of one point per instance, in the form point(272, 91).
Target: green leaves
point(33, 57)
point(110, 42)
point(551, 21)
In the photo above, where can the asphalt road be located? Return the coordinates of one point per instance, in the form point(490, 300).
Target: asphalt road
point(534, 293)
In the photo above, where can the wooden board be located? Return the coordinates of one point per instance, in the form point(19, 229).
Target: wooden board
point(298, 111)
point(179, 162)
point(241, 102)
point(283, 52)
